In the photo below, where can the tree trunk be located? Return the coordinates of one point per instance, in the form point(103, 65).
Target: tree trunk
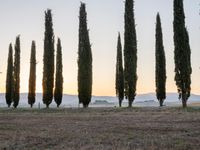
point(184, 103)
point(161, 102)
point(120, 103)
point(184, 100)
point(130, 103)
point(85, 105)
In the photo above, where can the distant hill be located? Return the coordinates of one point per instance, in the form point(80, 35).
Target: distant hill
point(148, 99)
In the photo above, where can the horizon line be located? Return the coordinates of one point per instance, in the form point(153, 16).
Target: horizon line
point(111, 95)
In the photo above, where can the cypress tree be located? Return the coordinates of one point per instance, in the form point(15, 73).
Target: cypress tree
point(84, 60)
point(32, 75)
point(16, 93)
point(130, 53)
point(58, 91)
point(9, 77)
point(160, 63)
point(119, 81)
point(48, 60)
point(182, 53)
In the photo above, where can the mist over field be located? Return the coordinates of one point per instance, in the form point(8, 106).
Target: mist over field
point(142, 100)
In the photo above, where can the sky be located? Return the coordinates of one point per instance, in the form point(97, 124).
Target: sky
point(105, 20)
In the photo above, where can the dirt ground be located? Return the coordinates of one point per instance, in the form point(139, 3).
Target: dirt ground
point(100, 128)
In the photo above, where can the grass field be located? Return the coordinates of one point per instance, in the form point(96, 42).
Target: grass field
point(100, 128)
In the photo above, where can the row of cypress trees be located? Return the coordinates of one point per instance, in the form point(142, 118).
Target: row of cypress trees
point(84, 67)
point(48, 65)
point(13, 70)
point(13, 75)
point(126, 78)
point(84, 63)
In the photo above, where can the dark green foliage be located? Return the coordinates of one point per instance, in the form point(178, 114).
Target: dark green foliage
point(130, 53)
point(48, 60)
point(160, 63)
point(84, 60)
point(32, 75)
point(182, 53)
point(58, 92)
point(9, 77)
point(119, 81)
point(16, 93)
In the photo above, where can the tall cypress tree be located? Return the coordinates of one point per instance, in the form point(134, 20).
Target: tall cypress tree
point(58, 91)
point(119, 81)
point(48, 60)
point(182, 53)
point(9, 77)
point(160, 63)
point(16, 93)
point(84, 60)
point(130, 52)
point(32, 75)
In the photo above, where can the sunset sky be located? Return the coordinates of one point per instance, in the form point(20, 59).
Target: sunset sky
point(105, 20)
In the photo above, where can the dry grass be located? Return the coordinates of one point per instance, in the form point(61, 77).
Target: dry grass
point(100, 128)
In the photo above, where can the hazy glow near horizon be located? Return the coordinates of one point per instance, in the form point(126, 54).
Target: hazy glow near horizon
point(105, 20)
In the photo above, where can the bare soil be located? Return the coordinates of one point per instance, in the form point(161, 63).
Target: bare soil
point(100, 128)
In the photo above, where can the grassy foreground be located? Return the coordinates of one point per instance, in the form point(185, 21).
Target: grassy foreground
point(100, 128)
